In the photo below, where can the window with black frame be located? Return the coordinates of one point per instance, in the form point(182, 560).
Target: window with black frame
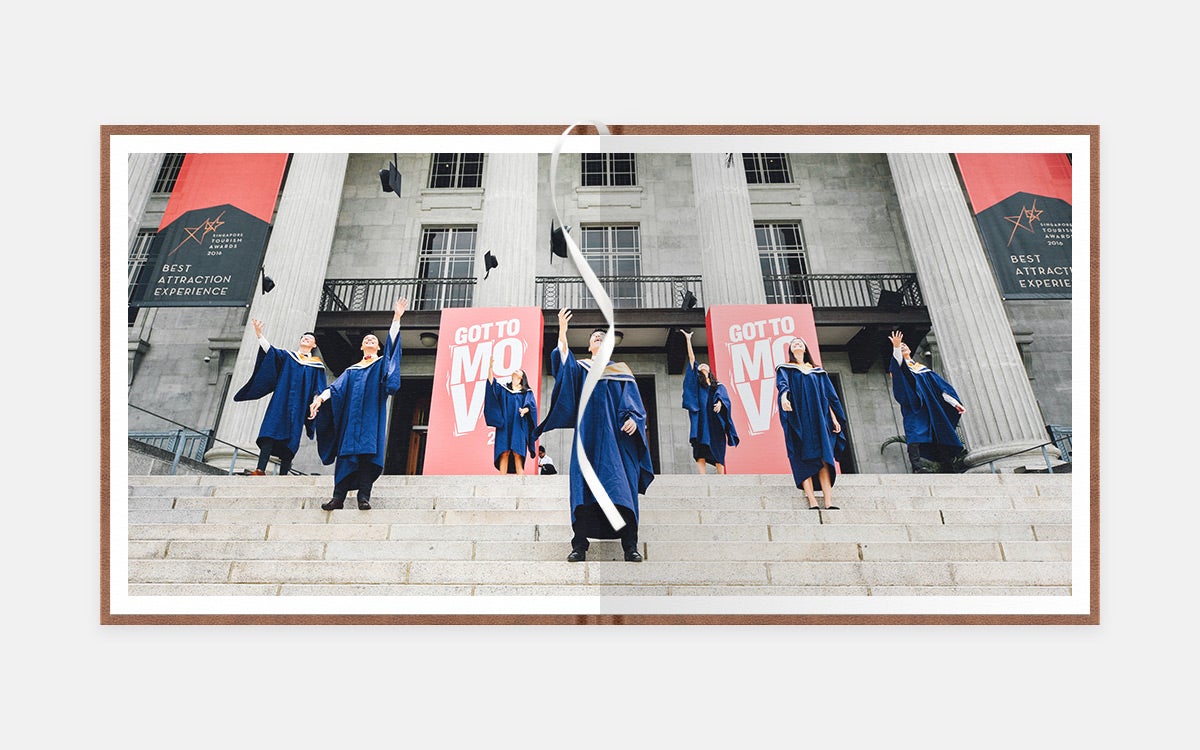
point(139, 253)
point(456, 171)
point(784, 263)
point(614, 251)
point(168, 173)
point(446, 267)
point(608, 170)
point(764, 169)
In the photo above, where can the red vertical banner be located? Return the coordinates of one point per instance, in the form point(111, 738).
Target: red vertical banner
point(1022, 205)
point(745, 343)
point(459, 441)
point(213, 235)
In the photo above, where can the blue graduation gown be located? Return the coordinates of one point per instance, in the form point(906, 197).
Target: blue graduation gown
point(807, 429)
point(292, 380)
point(502, 410)
point(352, 426)
point(928, 420)
point(711, 430)
point(622, 462)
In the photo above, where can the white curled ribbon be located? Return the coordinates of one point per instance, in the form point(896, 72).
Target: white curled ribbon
point(606, 348)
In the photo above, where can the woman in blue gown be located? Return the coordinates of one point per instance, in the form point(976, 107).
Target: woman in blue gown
point(707, 404)
point(512, 410)
point(811, 415)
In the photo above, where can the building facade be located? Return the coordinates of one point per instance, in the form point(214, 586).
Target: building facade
point(871, 241)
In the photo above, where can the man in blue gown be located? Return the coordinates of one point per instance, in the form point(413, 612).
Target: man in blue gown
point(612, 434)
point(930, 406)
point(353, 430)
point(292, 379)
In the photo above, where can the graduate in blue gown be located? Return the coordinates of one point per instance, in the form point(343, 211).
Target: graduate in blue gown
point(292, 379)
point(612, 432)
point(353, 430)
point(707, 404)
point(930, 406)
point(812, 417)
point(512, 409)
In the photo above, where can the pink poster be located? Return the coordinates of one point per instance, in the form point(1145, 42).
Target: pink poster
point(459, 441)
point(745, 343)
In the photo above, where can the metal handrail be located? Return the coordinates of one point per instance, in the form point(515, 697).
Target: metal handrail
point(187, 436)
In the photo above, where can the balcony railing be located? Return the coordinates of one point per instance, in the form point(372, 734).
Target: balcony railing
point(626, 292)
point(372, 295)
point(845, 289)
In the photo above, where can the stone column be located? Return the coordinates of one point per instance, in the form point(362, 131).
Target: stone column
point(509, 230)
point(296, 260)
point(728, 249)
point(143, 172)
point(974, 336)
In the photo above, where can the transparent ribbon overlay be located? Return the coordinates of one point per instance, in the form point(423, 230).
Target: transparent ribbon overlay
point(602, 357)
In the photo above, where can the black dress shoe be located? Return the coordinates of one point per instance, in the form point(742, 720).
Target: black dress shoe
point(576, 556)
point(364, 503)
point(633, 556)
point(333, 504)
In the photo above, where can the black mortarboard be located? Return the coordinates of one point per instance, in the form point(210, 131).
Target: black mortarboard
point(267, 283)
point(558, 242)
point(489, 262)
point(389, 179)
point(689, 300)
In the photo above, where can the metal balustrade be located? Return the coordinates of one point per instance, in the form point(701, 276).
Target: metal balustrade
point(373, 295)
point(844, 289)
point(627, 292)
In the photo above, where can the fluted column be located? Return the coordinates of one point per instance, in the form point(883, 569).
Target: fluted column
point(143, 171)
point(509, 230)
point(296, 260)
point(975, 339)
point(728, 249)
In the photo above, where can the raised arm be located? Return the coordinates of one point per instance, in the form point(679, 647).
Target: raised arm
point(897, 338)
point(397, 313)
point(258, 331)
point(564, 320)
point(687, 336)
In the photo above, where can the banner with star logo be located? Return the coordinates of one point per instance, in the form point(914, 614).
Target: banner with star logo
point(1022, 206)
point(213, 234)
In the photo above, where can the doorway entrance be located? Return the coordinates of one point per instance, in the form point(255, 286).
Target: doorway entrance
point(645, 384)
point(408, 427)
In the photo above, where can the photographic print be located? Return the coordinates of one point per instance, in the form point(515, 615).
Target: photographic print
point(599, 374)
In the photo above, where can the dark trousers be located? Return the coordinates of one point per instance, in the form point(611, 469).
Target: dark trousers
point(362, 478)
point(590, 521)
point(265, 450)
point(914, 455)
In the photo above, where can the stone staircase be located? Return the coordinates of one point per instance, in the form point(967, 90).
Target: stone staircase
point(967, 534)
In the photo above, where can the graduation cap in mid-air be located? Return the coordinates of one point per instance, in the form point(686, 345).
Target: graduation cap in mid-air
point(558, 241)
point(489, 262)
point(389, 178)
point(267, 283)
point(689, 300)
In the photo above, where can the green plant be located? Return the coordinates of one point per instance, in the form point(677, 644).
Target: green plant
point(954, 465)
